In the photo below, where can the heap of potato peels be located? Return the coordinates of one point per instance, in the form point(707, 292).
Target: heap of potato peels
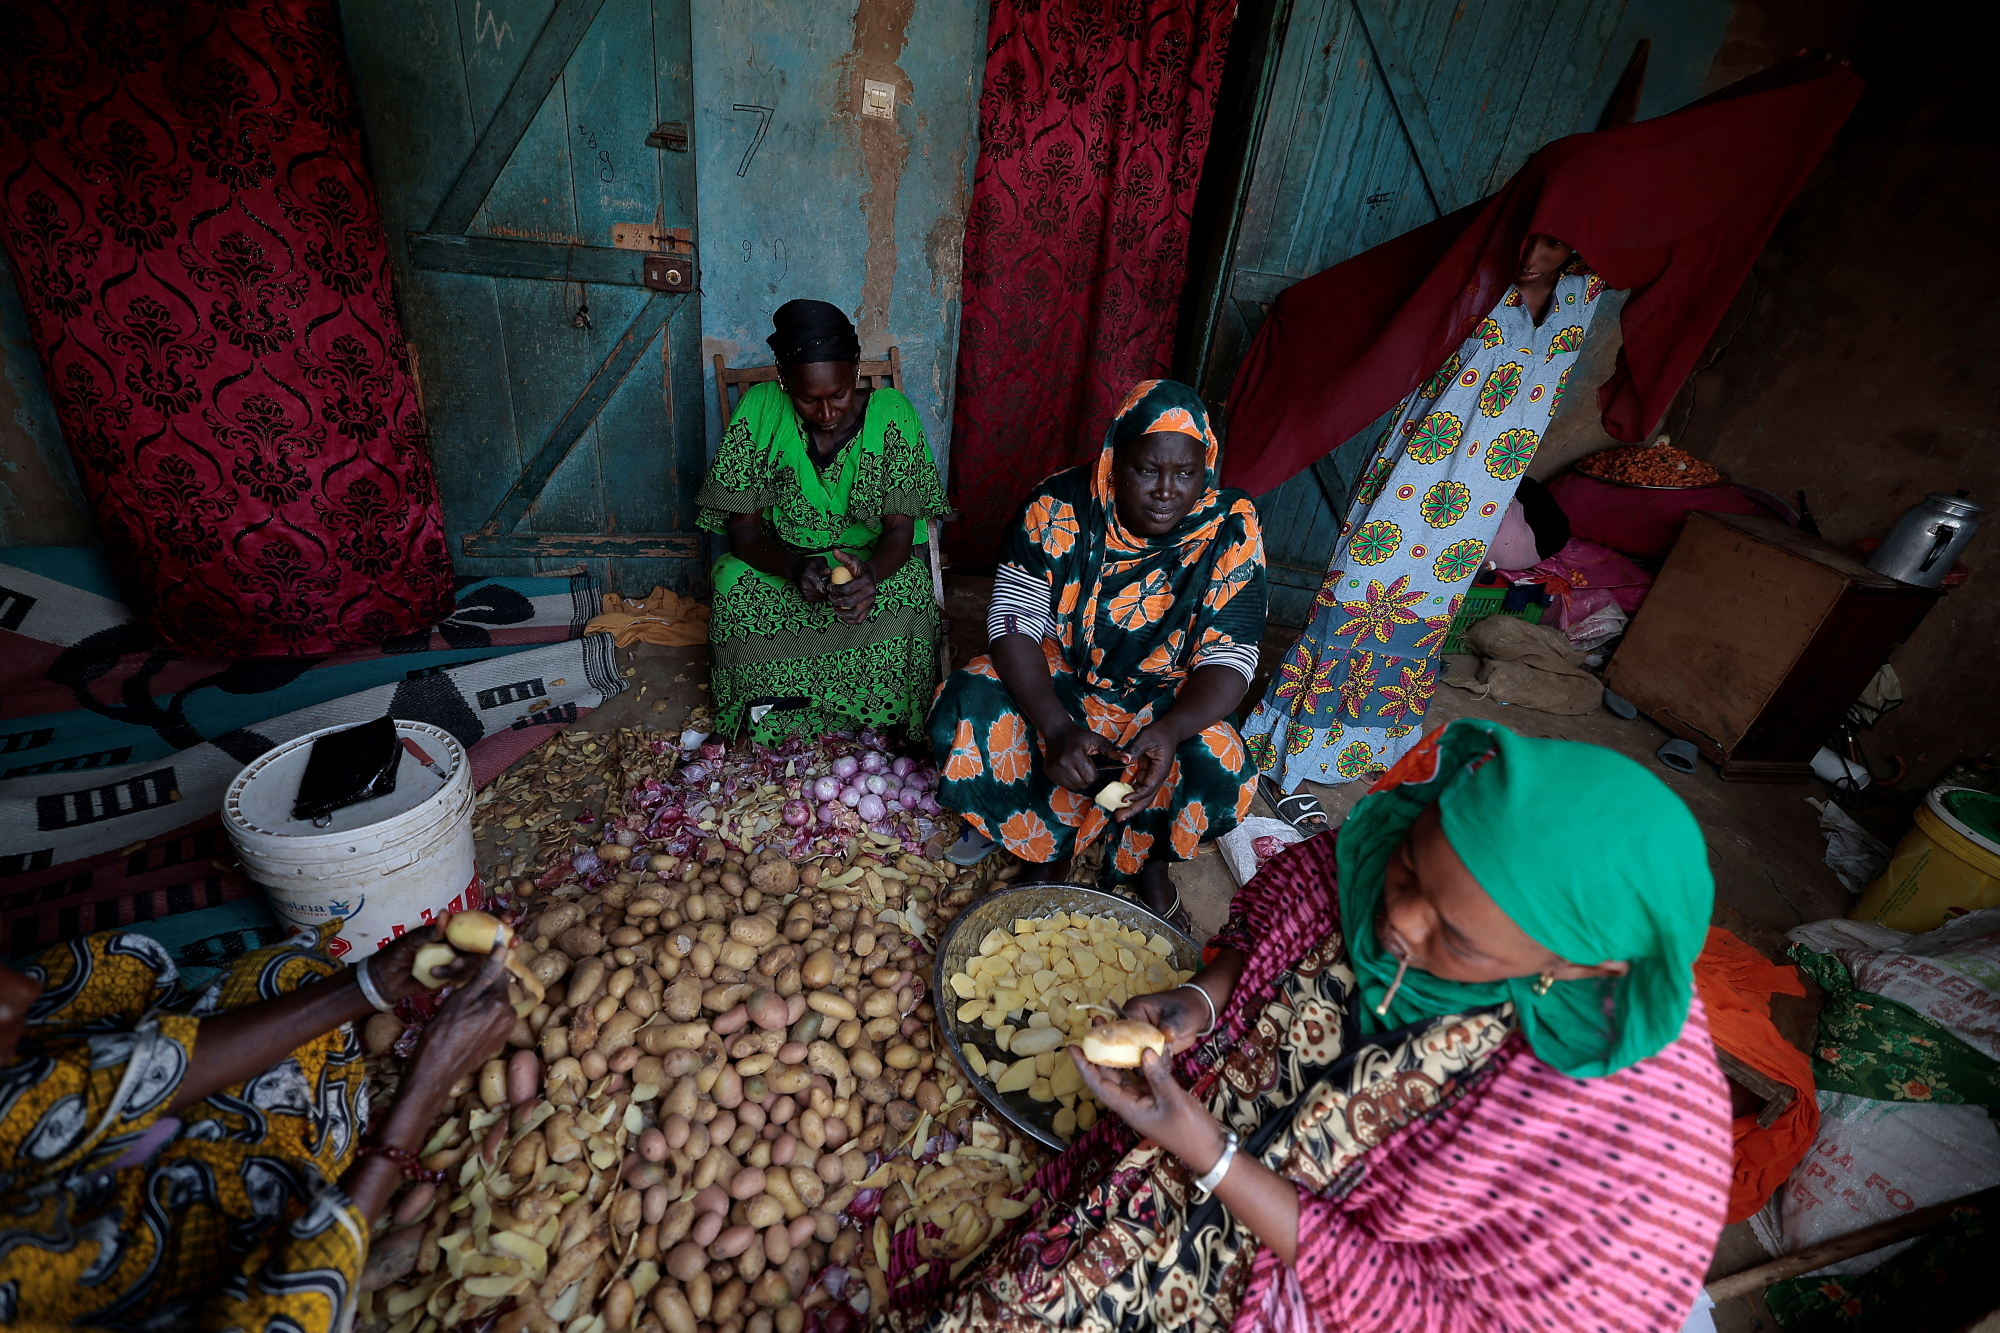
point(730, 1096)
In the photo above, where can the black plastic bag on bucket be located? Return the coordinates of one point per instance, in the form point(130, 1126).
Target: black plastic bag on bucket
point(347, 767)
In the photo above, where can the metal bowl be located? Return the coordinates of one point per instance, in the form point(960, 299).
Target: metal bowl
point(1000, 911)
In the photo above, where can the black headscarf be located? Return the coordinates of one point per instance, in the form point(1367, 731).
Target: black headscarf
point(808, 331)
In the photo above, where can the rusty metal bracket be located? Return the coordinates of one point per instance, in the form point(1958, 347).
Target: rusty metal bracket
point(671, 136)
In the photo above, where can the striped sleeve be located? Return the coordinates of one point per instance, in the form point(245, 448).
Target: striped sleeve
point(1227, 652)
point(1594, 1203)
point(1021, 605)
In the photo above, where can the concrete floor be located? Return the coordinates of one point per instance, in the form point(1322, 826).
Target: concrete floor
point(1764, 843)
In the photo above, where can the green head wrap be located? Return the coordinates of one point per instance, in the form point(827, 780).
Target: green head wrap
point(1585, 850)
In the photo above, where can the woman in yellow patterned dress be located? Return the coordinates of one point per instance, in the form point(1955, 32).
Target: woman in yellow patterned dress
point(170, 1161)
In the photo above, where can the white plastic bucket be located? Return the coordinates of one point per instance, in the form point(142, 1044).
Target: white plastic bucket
point(386, 865)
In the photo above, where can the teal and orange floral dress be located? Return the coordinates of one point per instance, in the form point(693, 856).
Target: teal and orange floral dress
point(1123, 620)
point(1351, 697)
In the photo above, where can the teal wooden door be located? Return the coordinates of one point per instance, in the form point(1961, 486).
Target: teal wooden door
point(1382, 115)
point(539, 194)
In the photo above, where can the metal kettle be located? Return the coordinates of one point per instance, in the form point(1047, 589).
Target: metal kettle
point(1927, 539)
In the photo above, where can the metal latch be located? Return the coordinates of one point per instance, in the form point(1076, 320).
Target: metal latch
point(672, 135)
point(669, 273)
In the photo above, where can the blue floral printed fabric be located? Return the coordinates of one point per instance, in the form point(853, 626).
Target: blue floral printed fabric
point(1350, 698)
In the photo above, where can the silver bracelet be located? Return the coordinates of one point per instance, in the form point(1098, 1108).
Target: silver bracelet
point(1207, 1184)
point(367, 984)
point(1189, 985)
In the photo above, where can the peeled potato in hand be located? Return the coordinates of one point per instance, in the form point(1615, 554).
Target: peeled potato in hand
point(477, 932)
point(429, 959)
point(469, 932)
point(1114, 795)
point(1123, 1044)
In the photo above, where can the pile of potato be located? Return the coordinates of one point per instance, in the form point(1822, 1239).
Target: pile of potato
point(693, 1105)
point(1041, 987)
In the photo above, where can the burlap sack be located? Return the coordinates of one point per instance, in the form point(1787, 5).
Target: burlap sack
point(1531, 666)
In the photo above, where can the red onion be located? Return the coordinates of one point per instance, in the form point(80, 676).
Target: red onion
point(797, 814)
point(874, 761)
point(851, 796)
point(904, 766)
point(871, 809)
point(830, 812)
point(713, 751)
point(874, 784)
point(846, 767)
point(827, 788)
point(929, 805)
point(865, 1204)
point(1266, 847)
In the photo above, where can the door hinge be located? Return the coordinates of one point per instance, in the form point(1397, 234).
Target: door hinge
point(671, 135)
point(670, 273)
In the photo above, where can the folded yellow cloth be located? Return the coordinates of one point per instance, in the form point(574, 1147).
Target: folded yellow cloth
point(665, 618)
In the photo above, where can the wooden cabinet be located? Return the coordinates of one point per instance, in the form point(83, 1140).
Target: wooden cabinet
point(1755, 639)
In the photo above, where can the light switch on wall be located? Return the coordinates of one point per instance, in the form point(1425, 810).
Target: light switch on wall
point(878, 99)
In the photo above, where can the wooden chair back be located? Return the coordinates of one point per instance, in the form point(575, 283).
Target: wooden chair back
point(868, 374)
point(885, 374)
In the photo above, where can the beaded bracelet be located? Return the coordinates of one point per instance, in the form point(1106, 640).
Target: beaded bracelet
point(411, 1165)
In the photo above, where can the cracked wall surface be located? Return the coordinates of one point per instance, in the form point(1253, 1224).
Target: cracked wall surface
point(803, 196)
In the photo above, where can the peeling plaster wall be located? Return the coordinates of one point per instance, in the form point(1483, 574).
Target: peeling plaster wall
point(41, 503)
point(803, 196)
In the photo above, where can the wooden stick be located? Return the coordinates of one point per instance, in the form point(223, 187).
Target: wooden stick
point(1872, 1237)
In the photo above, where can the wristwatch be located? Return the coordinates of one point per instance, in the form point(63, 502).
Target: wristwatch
point(1207, 1184)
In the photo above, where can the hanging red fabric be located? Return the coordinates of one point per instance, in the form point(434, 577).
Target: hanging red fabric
point(1093, 126)
point(202, 262)
point(1674, 210)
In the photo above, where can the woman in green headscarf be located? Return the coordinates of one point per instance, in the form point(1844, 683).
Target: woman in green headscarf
point(1435, 1075)
point(813, 475)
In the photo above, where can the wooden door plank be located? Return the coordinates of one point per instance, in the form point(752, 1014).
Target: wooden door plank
point(539, 71)
point(1410, 105)
point(408, 65)
point(631, 345)
point(610, 105)
point(546, 261)
point(586, 490)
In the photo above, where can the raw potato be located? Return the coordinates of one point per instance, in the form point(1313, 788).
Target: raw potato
point(477, 932)
point(429, 959)
point(1037, 988)
point(722, 1045)
point(1120, 1045)
point(1114, 795)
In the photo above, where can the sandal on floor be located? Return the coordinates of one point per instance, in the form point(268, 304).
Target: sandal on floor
point(1301, 809)
point(1176, 915)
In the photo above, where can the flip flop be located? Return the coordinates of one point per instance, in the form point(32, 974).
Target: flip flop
point(1301, 809)
point(971, 848)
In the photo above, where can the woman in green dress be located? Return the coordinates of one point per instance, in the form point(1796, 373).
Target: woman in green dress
point(815, 474)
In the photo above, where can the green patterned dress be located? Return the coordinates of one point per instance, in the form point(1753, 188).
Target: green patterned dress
point(789, 666)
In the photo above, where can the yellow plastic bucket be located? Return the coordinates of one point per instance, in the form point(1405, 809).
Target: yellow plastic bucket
point(1946, 865)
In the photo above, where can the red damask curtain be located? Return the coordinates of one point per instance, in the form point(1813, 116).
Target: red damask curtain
point(198, 247)
point(1092, 129)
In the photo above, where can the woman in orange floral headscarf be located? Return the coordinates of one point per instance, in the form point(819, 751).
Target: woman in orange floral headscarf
point(1126, 617)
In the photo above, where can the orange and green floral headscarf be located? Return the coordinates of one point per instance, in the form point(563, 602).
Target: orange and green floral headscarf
point(1133, 612)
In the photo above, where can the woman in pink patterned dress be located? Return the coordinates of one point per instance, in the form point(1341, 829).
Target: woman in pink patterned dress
point(1459, 1083)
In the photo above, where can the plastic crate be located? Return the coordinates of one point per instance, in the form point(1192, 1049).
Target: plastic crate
point(1479, 604)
